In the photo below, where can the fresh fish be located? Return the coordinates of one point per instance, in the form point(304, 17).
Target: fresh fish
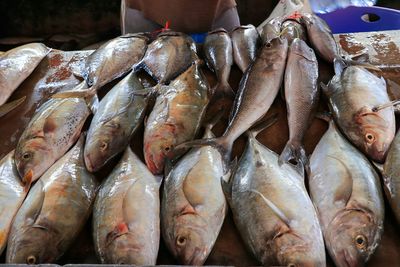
point(292, 29)
point(353, 94)
point(126, 223)
point(176, 116)
point(301, 95)
point(53, 129)
point(12, 194)
point(272, 210)
point(271, 30)
point(17, 64)
point(119, 114)
point(321, 38)
point(391, 176)
point(55, 211)
point(194, 206)
point(7, 107)
point(257, 91)
point(347, 194)
point(245, 43)
point(168, 56)
point(219, 58)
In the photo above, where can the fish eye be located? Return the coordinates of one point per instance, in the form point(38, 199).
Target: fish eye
point(103, 146)
point(370, 137)
point(167, 148)
point(181, 240)
point(31, 259)
point(361, 242)
point(26, 156)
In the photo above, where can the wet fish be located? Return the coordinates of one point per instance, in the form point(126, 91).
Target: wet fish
point(301, 95)
point(194, 206)
point(55, 211)
point(271, 30)
point(126, 223)
point(272, 210)
point(292, 29)
point(17, 64)
point(168, 56)
point(353, 93)
point(245, 42)
point(176, 116)
point(53, 129)
point(119, 114)
point(391, 176)
point(219, 58)
point(12, 194)
point(347, 194)
point(321, 38)
point(7, 107)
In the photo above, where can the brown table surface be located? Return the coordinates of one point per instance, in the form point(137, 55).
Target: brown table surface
point(54, 74)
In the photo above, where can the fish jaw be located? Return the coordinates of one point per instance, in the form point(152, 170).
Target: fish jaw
point(95, 155)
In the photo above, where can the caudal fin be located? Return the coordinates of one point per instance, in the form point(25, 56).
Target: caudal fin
point(295, 154)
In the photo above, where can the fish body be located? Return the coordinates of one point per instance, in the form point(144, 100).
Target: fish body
point(55, 211)
point(347, 194)
point(273, 212)
point(12, 194)
point(245, 42)
point(194, 206)
point(126, 223)
point(176, 116)
point(353, 93)
point(50, 133)
point(119, 114)
point(292, 29)
point(17, 64)
point(301, 95)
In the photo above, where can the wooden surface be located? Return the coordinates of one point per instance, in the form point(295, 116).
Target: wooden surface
point(54, 74)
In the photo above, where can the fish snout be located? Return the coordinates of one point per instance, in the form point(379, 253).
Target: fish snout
point(197, 258)
point(89, 163)
point(378, 152)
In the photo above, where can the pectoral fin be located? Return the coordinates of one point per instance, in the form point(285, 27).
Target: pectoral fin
point(35, 202)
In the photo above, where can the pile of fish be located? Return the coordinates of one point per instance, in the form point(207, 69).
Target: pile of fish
point(48, 190)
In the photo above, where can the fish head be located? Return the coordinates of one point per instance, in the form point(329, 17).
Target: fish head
point(32, 159)
point(375, 133)
point(352, 237)
point(158, 146)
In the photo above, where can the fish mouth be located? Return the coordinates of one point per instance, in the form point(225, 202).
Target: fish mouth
point(346, 260)
point(152, 166)
point(89, 164)
point(197, 259)
point(379, 156)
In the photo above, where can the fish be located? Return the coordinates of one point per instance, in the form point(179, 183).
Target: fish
point(292, 29)
point(245, 42)
point(53, 129)
point(390, 175)
point(8, 107)
point(257, 91)
point(54, 212)
point(217, 49)
point(320, 36)
point(194, 206)
point(12, 194)
point(126, 216)
point(272, 210)
point(271, 30)
point(17, 64)
point(176, 117)
point(119, 115)
point(169, 55)
point(353, 93)
point(301, 95)
point(346, 192)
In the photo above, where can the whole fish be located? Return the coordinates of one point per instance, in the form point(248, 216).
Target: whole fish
point(271, 30)
point(391, 176)
point(321, 38)
point(347, 194)
point(292, 29)
point(353, 94)
point(301, 95)
point(219, 58)
point(245, 42)
point(12, 194)
point(126, 223)
point(55, 211)
point(176, 116)
point(119, 114)
point(194, 206)
point(257, 91)
point(53, 129)
point(17, 64)
point(168, 56)
point(272, 210)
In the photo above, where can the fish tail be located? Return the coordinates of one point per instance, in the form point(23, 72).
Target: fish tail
point(222, 94)
point(294, 153)
point(7, 107)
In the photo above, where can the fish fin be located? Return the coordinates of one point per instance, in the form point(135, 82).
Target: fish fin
point(93, 103)
point(36, 203)
point(226, 180)
point(119, 230)
point(296, 152)
point(339, 65)
point(264, 124)
point(149, 91)
point(222, 95)
point(85, 93)
point(344, 191)
point(7, 107)
point(279, 213)
point(361, 57)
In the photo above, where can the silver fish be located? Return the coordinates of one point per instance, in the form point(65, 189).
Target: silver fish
point(271, 30)
point(245, 43)
point(292, 29)
point(126, 223)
